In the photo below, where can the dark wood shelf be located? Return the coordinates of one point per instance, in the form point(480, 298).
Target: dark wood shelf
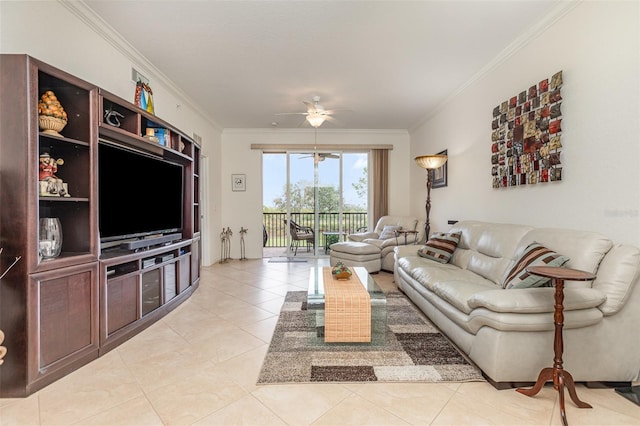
point(64, 199)
point(46, 136)
point(61, 313)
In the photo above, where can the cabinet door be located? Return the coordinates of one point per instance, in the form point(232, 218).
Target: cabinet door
point(184, 272)
point(169, 278)
point(122, 302)
point(195, 261)
point(63, 320)
point(150, 291)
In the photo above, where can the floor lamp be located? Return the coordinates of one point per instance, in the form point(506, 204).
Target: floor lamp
point(430, 162)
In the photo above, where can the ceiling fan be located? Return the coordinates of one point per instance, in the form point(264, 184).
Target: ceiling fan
point(316, 114)
point(320, 156)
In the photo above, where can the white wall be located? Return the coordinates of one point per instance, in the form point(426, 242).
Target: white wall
point(597, 46)
point(244, 209)
point(66, 39)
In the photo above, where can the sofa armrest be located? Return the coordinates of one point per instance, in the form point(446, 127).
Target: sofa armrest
point(403, 251)
point(389, 242)
point(361, 236)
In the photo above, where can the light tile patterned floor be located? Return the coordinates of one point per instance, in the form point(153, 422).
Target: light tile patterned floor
point(199, 366)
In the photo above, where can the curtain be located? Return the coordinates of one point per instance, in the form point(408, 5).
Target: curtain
point(380, 177)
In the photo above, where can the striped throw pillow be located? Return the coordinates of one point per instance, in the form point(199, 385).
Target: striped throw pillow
point(534, 254)
point(440, 247)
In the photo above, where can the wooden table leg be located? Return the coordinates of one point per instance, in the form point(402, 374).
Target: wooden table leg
point(560, 377)
point(545, 375)
point(571, 388)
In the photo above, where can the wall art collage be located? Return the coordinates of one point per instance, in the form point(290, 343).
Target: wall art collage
point(525, 136)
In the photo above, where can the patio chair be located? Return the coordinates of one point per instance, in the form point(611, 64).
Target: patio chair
point(300, 233)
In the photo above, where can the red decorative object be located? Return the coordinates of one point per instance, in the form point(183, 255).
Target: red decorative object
point(522, 150)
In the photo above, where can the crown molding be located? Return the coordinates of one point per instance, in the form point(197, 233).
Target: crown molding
point(111, 36)
point(276, 147)
point(533, 32)
point(235, 130)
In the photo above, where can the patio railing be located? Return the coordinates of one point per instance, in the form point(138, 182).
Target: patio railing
point(277, 230)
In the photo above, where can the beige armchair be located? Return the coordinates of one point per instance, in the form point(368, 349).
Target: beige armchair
point(386, 237)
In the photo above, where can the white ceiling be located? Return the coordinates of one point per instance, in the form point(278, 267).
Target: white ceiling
point(391, 63)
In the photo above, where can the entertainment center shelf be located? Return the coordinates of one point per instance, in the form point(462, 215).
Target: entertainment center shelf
point(136, 289)
point(61, 311)
point(134, 123)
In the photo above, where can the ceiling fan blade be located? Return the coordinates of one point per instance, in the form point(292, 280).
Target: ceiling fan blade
point(291, 113)
point(334, 110)
point(310, 106)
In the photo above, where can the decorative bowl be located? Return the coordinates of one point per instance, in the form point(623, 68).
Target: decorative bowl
point(51, 125)
point(340, 271)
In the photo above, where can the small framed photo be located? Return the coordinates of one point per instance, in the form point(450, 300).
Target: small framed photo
point(238, 182)
point(440, 174)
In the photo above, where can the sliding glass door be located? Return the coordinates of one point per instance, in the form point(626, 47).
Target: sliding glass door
point(312, 199)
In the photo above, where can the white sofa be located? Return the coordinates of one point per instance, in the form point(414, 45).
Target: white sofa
point(373, 249)
point(509, 333)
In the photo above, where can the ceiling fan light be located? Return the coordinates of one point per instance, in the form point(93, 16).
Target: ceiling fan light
point(315, 119)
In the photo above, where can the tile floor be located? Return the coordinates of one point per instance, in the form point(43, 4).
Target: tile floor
point(199, 365)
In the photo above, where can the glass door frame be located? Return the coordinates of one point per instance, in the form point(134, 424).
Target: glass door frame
point(316, 196)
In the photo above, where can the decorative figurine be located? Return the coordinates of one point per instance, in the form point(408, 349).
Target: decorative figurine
point(225, 241)
point(243, 231)
point(50, 184)
point(111, 117)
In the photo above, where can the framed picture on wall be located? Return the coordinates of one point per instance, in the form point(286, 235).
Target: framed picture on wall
point(238, 182)
point(439, 178)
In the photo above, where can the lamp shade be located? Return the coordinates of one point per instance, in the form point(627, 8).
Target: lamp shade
point(315, 119)
point(431, 162)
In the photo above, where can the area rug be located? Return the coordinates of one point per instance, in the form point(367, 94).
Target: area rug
point(413, 350)
point(286, 260)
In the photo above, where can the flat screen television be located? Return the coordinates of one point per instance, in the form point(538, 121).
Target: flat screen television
point(139, 195)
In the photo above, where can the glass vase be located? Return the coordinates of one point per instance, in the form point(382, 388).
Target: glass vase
point(50, 242)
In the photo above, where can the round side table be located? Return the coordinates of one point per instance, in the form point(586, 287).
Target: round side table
point(561, 377)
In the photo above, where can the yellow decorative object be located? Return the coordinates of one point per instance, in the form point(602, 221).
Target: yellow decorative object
point(51, 116)
point(51, 125)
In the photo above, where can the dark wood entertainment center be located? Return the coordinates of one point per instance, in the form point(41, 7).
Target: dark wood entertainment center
point(60, 314)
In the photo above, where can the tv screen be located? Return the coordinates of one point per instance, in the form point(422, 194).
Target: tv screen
point(139, 195)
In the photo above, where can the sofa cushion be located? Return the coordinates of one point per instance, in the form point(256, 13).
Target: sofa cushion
point(449, 282)
point(534, 254)
point(535, 300)
point(440, 246)
point(389, 231)
point(487, 248)
point(507, 321)
point(355, 248)
point(584, 249)
point(458, 292)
